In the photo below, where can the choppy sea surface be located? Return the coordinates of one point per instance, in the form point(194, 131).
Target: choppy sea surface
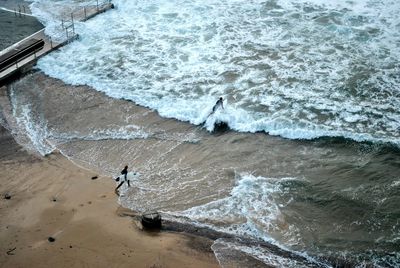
point(309, 159)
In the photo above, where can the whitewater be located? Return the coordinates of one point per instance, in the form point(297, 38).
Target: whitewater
point(298, 69)
point(324, 76)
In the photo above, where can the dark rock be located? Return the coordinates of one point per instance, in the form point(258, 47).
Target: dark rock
point(221, 127)
point(10, 251)
point(151, 220)
point(7, 196)
point(51, 239)
point(94, 177)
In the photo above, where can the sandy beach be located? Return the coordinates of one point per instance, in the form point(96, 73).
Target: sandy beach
point(51, 197)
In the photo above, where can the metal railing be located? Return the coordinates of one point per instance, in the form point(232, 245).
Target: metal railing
point(67, 27)
point(66, 34)
point(81, 14)
point(21, 11)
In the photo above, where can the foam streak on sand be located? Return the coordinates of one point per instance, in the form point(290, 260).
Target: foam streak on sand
point(252, 210)
point(336, 189)
point(225, 250)
point(50, 197)
point(298, 69)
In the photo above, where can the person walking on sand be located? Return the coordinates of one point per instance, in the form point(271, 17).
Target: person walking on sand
point(219, 103)
point(125, 173)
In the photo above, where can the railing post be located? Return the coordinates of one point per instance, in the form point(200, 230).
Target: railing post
point(51, 42)
point(73, 26)
point(84, 11)
point(15, 12)
point(24, 8)
point(97, 1)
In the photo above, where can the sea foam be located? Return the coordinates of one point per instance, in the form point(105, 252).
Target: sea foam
point(298, 69)
point(253, 209)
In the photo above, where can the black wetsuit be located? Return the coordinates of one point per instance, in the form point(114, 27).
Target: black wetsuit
point(217, 104)
point(125, 173)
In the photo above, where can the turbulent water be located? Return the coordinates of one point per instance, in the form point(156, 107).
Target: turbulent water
point(299, 69)
point(296, 70)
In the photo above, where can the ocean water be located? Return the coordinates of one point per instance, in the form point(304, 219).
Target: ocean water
point(310, 158)
point(298, 69)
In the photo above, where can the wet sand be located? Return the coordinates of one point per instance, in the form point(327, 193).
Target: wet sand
point(80, 108)
point(51, 197)
point(183, 165)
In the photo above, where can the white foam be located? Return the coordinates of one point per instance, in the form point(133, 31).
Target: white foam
point(31, 131)
point(54, 13)
point(263, 254)
point(128, 132)
point(253, 209)
point(298, 69)
point(395, 183)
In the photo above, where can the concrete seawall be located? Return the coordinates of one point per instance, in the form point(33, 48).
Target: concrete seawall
point(23, 65)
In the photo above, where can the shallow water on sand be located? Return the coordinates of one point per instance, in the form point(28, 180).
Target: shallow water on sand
point(295, 69)
point(327, 197)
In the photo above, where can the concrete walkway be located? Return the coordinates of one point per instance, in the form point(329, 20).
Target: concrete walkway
point(26, 63)
point(48, 46)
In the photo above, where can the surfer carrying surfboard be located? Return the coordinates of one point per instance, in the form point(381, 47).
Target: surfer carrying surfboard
point(125, 173)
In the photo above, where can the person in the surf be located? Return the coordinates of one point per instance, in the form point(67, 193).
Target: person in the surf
point(125, 173)
point(219, 103)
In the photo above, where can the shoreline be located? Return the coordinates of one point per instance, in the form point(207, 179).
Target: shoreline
point(82, 215)
point(65, 144)
point(71, 104)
